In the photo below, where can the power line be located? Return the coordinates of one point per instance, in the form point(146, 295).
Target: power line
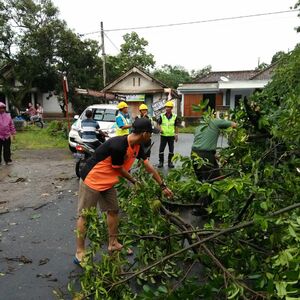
point(111, 41)
point(197, 22)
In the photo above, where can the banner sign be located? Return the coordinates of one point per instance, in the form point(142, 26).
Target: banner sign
point(158, 106)
point(135, 98)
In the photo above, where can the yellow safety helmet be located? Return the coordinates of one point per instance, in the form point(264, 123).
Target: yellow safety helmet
point(122, 105)
point(143, 106)
point(169, 104)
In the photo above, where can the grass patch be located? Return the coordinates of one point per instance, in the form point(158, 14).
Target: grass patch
point(188, 129)
point(36, 138)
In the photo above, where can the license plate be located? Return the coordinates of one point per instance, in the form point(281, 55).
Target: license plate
point(79, 155)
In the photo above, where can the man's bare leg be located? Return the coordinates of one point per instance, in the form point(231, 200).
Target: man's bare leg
point(80, 239)
point(112, 224)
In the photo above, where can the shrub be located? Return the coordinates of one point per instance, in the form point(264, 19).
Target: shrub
point(58, 128)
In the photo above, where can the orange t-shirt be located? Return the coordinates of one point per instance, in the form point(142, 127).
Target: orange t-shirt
point(102, 169)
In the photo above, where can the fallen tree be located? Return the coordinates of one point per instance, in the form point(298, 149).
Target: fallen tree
point(248, 245)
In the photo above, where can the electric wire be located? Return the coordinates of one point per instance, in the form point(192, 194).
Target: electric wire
point(195, 22)
point(112, 42)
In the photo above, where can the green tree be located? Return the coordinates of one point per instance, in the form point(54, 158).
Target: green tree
point(285, 82)
point(196, 74)
point(45, 49)
point(133, 53)
point(281, 100)
point(113, 68)
point(6, 35)
point(277, 56)
point(80, 61)
point(172, 75)
point(262, 66)
point(249, 246)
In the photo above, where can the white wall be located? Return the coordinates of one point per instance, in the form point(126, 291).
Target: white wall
point(51, 105)
point(244, 93)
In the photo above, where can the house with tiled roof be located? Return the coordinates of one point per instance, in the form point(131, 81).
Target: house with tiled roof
point(223, 89)
point(136, 86)
point(48, 100)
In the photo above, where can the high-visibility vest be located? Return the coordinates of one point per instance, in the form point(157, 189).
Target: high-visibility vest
point(168, 125)
point(120, 131)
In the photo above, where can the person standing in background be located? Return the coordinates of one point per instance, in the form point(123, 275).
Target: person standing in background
point(7, 130)
point(168, 125)
point(143, 108)
point(40, 111)
point(122, 119)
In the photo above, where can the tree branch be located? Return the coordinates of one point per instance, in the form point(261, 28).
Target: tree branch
point(213, 236)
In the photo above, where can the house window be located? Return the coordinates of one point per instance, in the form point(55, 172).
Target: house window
point(139, 81)
point(237, 99)
point(133, 81)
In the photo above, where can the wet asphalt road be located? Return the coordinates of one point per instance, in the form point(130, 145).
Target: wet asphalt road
point(37, 244)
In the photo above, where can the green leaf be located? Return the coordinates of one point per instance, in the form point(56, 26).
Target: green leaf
point(281, 288)
point(264, 205)
point(292, 231)
point(35, 216)
point(234, 293)
point(163, 289)
point(146, 288)
point(254, 276)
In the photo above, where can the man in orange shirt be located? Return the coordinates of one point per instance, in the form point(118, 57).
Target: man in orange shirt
point(111, 160)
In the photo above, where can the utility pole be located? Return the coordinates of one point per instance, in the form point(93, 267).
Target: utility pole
point(103, 55)
point(66, 91)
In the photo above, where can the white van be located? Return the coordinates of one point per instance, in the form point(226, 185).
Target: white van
point(104, 114)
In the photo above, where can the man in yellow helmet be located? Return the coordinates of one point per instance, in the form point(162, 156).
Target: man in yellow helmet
point(168, 123)
point(143, 108)
point(122, 119)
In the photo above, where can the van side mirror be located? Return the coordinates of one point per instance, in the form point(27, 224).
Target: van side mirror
point(76, 117)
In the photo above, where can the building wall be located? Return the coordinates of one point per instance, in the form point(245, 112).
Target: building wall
point(242, 93)
point(189, 99)
point(135, 83)
point(51, 105)
point(157, 98)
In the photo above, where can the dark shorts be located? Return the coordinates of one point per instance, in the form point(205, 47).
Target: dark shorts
point(208, 171)
point(88, 198)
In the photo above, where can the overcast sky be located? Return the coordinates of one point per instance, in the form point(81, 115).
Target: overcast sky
point(225, 45)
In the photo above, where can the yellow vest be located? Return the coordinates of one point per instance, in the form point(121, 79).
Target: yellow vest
point(168, 125)
point(120, 131)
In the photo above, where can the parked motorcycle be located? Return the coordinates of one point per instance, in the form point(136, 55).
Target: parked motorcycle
point(37, 120)
point(83, 152)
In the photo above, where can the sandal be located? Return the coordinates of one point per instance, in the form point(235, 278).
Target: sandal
point(76, 261)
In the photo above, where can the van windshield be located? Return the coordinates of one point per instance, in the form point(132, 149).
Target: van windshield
point(106, 115)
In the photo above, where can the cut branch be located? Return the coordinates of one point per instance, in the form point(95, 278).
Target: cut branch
point(213, 236)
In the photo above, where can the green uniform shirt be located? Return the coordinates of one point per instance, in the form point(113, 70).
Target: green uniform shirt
point(206, 135)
